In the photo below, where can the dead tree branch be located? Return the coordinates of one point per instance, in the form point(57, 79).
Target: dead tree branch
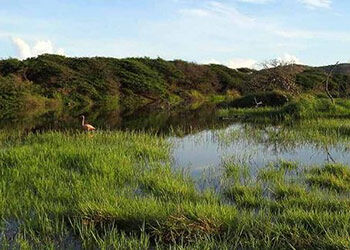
point(329, 76)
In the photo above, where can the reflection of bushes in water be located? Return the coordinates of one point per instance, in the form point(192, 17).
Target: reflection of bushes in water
point(179, 120)
point(61, 119)
point(150, 118)
point(319, 133)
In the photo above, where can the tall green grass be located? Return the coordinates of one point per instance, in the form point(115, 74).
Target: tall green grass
point(300, 108)
point(118, 190)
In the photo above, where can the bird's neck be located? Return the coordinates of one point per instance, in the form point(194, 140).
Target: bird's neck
point(83, 121)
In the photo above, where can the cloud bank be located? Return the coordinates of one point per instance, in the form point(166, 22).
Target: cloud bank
point(24, 50)
point(235, 63)
point(317, 3)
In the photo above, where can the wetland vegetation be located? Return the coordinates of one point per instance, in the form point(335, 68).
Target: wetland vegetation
point(183, 158)
point(118, 189)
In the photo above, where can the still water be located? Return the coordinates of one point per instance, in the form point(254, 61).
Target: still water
point(200, 138)
point(208, 149)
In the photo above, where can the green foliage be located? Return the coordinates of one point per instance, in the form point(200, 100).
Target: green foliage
point(310, 78)
point(10, 66)
point(314, 79)
point(17, 96)
point(117, 190)
point(139, 78)
point(308, 106)
point(270, 99)
point(302, 107)
point(332, 176)
point(231, 79)
point(136, 82)
point(87, 81)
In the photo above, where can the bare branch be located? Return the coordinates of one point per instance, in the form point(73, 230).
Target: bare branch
point(275, 74)
point(329, 76)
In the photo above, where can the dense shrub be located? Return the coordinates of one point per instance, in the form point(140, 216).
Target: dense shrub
point(138, 81)
point(271, 99)
point(17, 95)
point(315, 78)
point(13, 91)
point(308, 106)
point(231, 79)
point(138, 77)
point(10, 66)
point(310, 78)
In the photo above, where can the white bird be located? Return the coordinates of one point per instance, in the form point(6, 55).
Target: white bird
point(257, 104)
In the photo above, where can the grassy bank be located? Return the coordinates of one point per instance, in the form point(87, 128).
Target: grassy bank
point(299, 108)
point(117, 189)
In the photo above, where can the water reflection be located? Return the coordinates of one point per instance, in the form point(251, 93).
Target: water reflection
point(253, 146)
point(201, 140)
point(184, 120)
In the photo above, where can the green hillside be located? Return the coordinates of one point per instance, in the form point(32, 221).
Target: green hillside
point(51, 80)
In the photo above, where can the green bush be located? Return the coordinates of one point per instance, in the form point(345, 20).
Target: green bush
point(87, 81)
point(10, 66)
point(270, 99)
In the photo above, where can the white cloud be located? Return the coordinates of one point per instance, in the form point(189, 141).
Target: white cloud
point(317, 3)
point(42, 47)
point(290, 58)
point(211, 61)
point(241, 63)
point(231, 13)
point(235, 63)
point(60, 51)
point(255, 1)
point(24, 50)
point(218, 11)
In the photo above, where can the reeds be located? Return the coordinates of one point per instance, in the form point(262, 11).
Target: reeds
point(118, 190)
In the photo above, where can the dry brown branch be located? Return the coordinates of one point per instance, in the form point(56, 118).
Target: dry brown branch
point(275, 74)
point(329, 76)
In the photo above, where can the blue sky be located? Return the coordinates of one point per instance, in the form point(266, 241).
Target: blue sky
point(232, 32)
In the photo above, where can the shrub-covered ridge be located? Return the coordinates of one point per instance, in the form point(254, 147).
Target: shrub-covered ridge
point(131, 82)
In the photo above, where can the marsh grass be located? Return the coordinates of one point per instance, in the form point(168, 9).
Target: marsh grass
point(302, 107)
point(309, 203)
point(118, 190)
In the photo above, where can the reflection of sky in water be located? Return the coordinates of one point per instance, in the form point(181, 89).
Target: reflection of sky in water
point(205, 150)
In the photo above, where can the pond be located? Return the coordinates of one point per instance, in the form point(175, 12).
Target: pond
point(202, 141)
point(209, 149)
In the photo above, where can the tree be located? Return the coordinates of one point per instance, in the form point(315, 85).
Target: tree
point(276, 74)
point(329, 77)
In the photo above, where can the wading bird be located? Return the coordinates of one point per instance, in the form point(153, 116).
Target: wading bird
point(86, 126)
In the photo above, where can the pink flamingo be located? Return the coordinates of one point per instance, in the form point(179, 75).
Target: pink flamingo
point(86, 126)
